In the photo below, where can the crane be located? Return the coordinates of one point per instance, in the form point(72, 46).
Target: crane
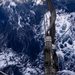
point(50, 56)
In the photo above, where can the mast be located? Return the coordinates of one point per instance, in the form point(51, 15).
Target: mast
point(50, 56)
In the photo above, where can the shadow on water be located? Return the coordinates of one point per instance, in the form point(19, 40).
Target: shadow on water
point(22, 40)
